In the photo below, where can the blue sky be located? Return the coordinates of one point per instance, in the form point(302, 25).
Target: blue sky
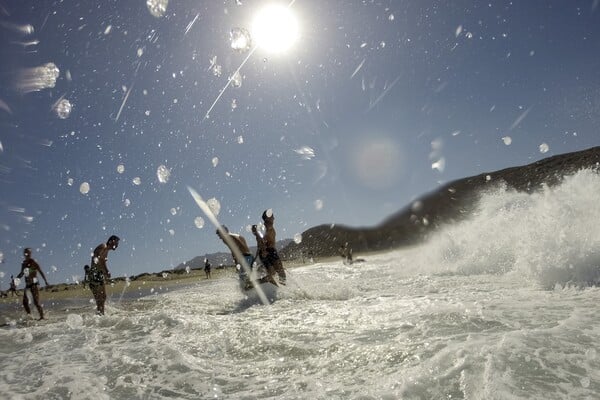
point(342, 128)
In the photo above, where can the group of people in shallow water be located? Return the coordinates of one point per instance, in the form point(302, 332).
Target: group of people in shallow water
point(266, 253)
point(97, 273)
point(95, 277)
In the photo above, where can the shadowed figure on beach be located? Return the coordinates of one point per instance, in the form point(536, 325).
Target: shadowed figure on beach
point(98, 272)
point(30, 269)
point(13, 287)
point(207, 268)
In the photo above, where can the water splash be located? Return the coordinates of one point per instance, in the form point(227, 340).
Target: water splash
point(163, 174)
point(63, 108)
point(37, 78)
point(240, 39)
point(157, 8)
point(551, 237)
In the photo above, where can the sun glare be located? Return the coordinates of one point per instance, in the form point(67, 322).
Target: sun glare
point(275, 28)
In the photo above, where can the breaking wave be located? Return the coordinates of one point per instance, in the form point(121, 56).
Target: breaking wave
point(551, 237)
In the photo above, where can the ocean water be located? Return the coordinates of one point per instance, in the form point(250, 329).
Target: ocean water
point(502, 306)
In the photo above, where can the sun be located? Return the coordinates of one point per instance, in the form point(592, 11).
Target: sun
point(275, 28)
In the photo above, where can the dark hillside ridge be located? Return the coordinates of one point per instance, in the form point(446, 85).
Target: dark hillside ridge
point(451, 202)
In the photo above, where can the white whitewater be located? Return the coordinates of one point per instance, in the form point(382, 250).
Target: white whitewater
point(502, 306)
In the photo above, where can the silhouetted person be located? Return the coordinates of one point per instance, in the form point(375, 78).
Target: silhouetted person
point(272, 260)
point(86, 275)
point(261, 246)
point(207, 267)
point(99, 273)
point(262, 254)
point(30, 269)
point(13, 286)
point(346, 253)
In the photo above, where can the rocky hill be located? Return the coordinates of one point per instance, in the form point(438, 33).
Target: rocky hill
point(451, 202)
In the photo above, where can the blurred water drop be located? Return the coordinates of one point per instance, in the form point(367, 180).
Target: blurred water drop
point(215, 161)
point(298, 238)
point(70, 181)
point(37, 78)
point(214, 206)
point(163, 174)
point(120, 168)
point(544, 148)
point(157, 8)
point(233, 104)
point(307, 153)
point(172, 232)
point(187, 269)
point(63, 108)
point(173, 211)
point(318, 204)
point(269, 213)
point(439, 165)
point(137, 181)
point(236, 79)
point(391, 17)
point(416, 206)
point(84, 188)
point(469, 35)
point(507, 140)
point(199, 222)
point(127, 202)
point(240, 140)
point(458, 31)
point(240, 40)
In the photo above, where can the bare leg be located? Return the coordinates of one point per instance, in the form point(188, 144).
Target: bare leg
point(35, 293)
point(26, 302)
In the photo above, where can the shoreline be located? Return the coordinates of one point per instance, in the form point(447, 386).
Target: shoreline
point(63, 298)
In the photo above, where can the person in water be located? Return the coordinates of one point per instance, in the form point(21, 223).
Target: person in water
point(262, 254)
point(272, 260)
point(240, 253)
point(30, 269)
point(346, 253)
point(86, 275)
point(13, 287)
point(207, 268)
point(98, 273)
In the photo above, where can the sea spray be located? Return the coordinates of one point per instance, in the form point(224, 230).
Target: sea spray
point(551, 236)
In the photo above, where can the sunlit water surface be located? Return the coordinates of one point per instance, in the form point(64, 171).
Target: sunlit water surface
point(503, 306)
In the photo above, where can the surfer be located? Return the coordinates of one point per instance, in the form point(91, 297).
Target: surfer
point(239, 248)
point(272, 262)
point(30, 269)
point(98, 272)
